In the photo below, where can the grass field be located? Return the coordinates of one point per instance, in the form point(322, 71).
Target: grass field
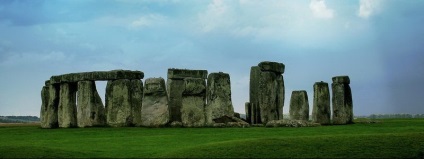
point(391, 138)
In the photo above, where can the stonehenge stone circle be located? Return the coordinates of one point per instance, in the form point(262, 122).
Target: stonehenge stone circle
point(90, 109)
point(266, 92)
point(59, 105)
point(342, 100)
point(321, 112)
point(218, 93)
point(67, 113)
point(123, 102)
point(187, 95)
point(299, 106)
point(155, 110)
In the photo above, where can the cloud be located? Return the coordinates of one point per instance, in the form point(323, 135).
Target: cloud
point(215, 16)
point(320, 10)
point(148, 20)
point(367, 8)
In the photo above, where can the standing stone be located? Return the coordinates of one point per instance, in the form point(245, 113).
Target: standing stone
point(342, 100)
point(321, 112)
point(218, 97)
point(123, 102)
point(255, 72)
point(193, 103)
point(280, 96)
point(90, 106)
point(155, 111)
point(268, 97)
point(175, 89)
point(299, 106)
point(49, 106)
point(67, 105)
point(248, 110)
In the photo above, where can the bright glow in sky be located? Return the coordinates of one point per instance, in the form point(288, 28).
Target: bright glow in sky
point(379, 44)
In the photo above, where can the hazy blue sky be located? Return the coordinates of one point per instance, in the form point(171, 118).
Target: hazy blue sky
point(378, 43)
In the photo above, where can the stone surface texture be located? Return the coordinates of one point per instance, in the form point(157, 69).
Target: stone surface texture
point(97, 75)
point(155, 111)
point(193, 102)
point(123, 102)
point(218, 96)
point(321, 112)
point(175, 88)
point(67, 112)
point(342, 100)
point(90, 109)
point(276, 67)
point(185, 73)
point(299, 106)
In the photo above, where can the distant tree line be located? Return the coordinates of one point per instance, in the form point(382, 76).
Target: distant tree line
point(18, 119)
point(385, 116)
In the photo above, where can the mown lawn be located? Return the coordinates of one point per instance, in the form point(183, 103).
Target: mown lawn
point(391, 138)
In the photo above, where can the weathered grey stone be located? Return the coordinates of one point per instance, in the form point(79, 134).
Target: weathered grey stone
point(218, 96)
point(185, 73)
point(90, 109)
point(342, 103)
point(67, 113)
point(255, 73)
point(268, 97)
point(299, 106)
point(291, 123)
point(98, 75)
point(341, 79)
point(51, 113)
point(280, 96)
point(45, 112)
point(155, 111)
point(272, 66)
point(175, 89)
point(123, 102)
point(321, 112)
point(248, 109)
point(193, 102)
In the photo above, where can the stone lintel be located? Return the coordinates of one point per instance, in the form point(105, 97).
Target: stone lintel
point(96, 76)
point(272, 66)
point(185, 73)
point(341, 79)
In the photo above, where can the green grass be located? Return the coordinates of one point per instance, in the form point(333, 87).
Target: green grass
point(391, 138)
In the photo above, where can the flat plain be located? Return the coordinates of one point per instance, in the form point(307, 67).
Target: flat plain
point(388, 138)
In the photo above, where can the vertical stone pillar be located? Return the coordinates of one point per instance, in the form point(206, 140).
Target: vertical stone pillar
point(255, 73)
point(218, 97)
point(49, 106)
point(342, 100)
point(155, 111)
point(299, 105)
point(67, 112)
point(321, 112)
point(248, 110)
point(123, 102)
point(175, 89)
point(193, 102)
point(267, 92)
point(90, 109)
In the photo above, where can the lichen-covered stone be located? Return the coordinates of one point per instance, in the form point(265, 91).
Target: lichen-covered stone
point(299, 106)
point(97, 75)
point(248, 111)
point(321, 112)
point(280, 96)
point(255, 73)
point(155, 111)
point(193, 102)
point(123, 102)
point(45, 112)
point(90, 109)
point(342, 103)
point(51, 114)
point(268, 97)
point(67, 113)
point(272, 66)
point(175, 88)
point(341, 79)
point(218, 96)
point(185, 73)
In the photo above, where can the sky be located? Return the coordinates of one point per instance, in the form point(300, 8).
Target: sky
point(379, 44)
